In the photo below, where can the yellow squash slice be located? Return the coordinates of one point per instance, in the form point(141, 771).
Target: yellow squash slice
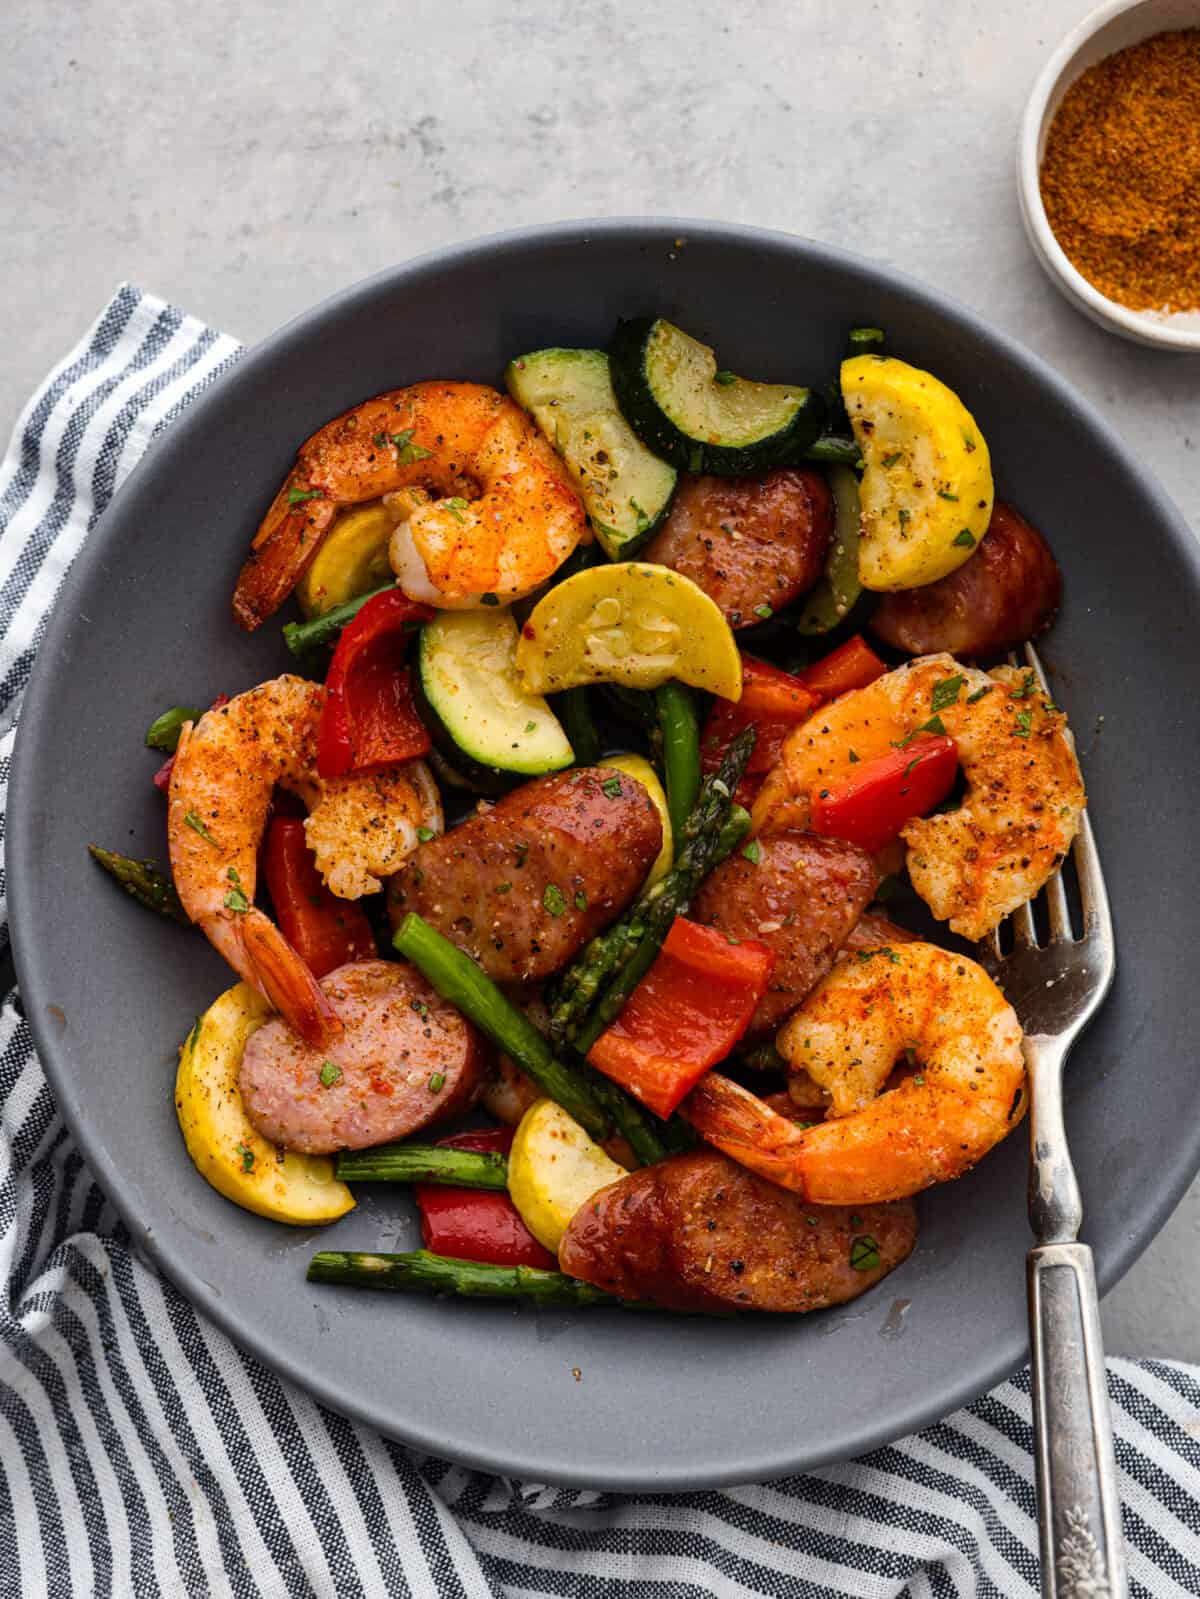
point(640, 769)
point(554, 1168)
point(228, 1153)
point(630, 623)
point(927, 481)
point(353, 557)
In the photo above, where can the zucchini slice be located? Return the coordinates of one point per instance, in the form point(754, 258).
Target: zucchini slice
point(626, 490)
point(473, 702)
point(702, 420)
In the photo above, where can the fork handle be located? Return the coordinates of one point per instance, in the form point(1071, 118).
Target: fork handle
point(1082, 1547)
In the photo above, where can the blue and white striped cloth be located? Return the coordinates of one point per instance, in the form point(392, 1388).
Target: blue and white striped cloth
point(141, 1453)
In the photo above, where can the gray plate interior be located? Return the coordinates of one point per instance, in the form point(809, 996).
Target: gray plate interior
point(602, 1398)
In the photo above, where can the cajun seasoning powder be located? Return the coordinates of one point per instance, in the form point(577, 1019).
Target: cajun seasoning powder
point(1120, 178)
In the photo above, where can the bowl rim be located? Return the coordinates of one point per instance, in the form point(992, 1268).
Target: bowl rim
point(744, 1463)
point(1136, 325)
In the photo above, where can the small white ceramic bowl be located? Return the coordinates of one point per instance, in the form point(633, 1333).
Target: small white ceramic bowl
point(1112, 28)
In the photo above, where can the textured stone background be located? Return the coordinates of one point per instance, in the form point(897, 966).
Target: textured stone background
point(246, 160)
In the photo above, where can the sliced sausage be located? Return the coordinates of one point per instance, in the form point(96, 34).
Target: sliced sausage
point(405, 1059)
point(522, 886)
point(1006, 593)
point(749, 542)
point(698, 1232)
point(874, 930)
point(801, 897)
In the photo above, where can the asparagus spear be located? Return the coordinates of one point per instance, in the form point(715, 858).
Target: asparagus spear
point(845, 452)
point(420, 1272)
point(424, 1163)
point(701, 837)
point(459, 980)
point(302, 637)
point(144, 881)
point(575, 714)
point(605, 953)
point(680, 729)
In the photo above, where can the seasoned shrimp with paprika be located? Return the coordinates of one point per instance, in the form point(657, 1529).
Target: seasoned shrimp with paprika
point(961, 1092)
point(496, 515)
point(1024, 790)
point(360, 828)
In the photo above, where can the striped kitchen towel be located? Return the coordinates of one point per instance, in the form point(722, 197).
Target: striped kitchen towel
point(141, 1453)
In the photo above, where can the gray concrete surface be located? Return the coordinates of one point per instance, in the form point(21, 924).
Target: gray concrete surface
point(245, 160)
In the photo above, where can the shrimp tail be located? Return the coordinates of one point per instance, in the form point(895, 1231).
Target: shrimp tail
point(286, 980)
point(291, 534)
point(739, 1124)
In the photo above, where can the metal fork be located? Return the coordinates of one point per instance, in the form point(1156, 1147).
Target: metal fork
point(1056, 989)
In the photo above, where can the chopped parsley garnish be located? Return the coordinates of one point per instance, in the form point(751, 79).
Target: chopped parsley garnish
point(916, 761)
point(946, 692)
point(521, 851)
point(553, 900)
point(437, 1082)
point(933, 725)
point(904, 515)
point(865, 955)
point(942, 494)
point(530, 727)
point(456, 505)
point(504, 888)
point(406, 451)
point(295, 496)
point(763, 612)
point(974, 699)
point(725, 379)
point(580, 900)
point(890, 460)
point(1024, 724)
point(864, 1254)
point(424, 834)
point(197, 826)
point(247, 1155)
point(611, 787)
point(1028, 687)
point(966, 539)
point(752, 852)
point(236, 900)
point(330, 1073)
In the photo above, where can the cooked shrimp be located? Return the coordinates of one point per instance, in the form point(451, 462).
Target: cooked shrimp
point(1024, 790)
point(506, 519)
point(360, 827)
point(939, 1011)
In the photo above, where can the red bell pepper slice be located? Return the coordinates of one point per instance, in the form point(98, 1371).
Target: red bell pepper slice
point(476, 1223)
point(162, 778)
point(368, 718)
point(871, 803)
point(853, 664)
point(325, 931)
point(775, 701)
point(685, 1015)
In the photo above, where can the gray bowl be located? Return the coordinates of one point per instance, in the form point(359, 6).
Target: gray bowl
point(605, 1398)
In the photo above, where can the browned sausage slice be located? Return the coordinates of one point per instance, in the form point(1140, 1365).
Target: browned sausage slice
point(698, 1232)
point(874, 930)
point(801, 897)
point(1007, 592)
point(524, 885)
point(405, 1059)
point(748, 542)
